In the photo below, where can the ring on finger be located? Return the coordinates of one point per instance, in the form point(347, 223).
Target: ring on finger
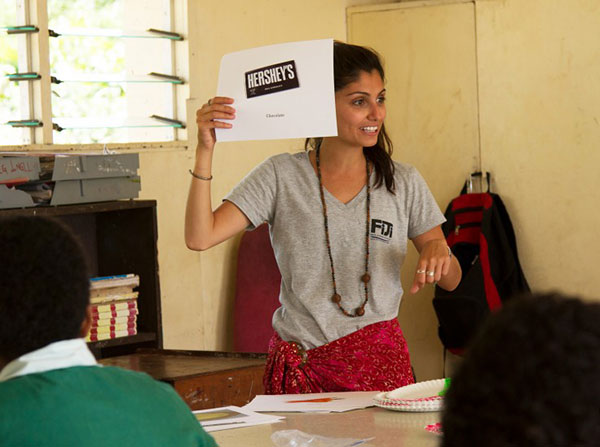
point(210, 102)
point(430, 273)
point(420, 271)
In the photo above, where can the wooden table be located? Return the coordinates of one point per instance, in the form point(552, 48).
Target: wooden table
point(204, 379)
point(389, 428)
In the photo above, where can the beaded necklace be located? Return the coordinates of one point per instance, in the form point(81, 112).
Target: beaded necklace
point(365, 278)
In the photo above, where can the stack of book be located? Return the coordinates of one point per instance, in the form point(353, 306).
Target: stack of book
point(114, 306)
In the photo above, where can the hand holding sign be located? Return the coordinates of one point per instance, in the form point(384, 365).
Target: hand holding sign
point(208, 118)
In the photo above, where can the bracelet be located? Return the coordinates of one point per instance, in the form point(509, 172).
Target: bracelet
point(200, 177)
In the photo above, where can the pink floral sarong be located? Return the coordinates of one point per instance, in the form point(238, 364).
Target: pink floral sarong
point(374, 358)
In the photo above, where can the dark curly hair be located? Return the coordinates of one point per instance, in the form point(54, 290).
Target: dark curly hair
point(530, 378)
point(348, 62)
point(44, 285)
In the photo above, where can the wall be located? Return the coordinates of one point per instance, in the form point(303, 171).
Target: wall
point(197, 288)
point(540, 132)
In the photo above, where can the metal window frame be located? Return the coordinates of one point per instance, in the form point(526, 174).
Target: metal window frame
point(36, 97)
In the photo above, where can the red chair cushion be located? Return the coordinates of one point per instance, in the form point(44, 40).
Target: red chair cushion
point(257, 292)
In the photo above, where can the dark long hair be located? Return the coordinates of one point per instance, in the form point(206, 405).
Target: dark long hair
point(348, 62)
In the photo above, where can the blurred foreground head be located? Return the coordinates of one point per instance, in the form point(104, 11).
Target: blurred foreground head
point(44, 285)
point(530, 378)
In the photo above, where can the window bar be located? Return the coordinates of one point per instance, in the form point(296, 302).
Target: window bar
point(22, 29)
point(25, 123)
point(40, 63)
point(168, 34)
point(29, 76)
point(25, 65)
point(116, 33)
point(176, 123)
point(174, 79)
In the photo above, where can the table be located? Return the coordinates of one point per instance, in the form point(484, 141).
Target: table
point(203, 379)
point(390, 428)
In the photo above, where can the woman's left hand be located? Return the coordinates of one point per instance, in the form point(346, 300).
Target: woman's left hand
point(435, 263)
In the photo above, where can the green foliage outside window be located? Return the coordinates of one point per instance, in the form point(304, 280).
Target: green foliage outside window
point(87, 55)
point(70, 56)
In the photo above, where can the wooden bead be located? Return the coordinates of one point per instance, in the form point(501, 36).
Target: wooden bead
point(336, 298)
point(365, 278)
point(360, 311)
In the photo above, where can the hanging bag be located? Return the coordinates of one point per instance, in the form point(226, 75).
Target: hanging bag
point(480, 234)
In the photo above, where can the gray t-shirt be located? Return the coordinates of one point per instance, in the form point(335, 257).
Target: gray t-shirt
point(284, 191)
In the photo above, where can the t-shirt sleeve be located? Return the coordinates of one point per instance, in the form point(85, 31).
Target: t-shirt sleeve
point(424, 212)
point(255, 194)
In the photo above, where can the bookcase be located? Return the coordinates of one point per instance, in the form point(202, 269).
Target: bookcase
point(118, 237)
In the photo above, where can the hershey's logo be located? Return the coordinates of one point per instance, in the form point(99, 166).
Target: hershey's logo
point(272, 79)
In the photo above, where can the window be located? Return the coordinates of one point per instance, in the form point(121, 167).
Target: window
point(90, 71)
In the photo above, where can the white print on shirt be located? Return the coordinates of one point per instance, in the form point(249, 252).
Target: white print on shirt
point(381, 230)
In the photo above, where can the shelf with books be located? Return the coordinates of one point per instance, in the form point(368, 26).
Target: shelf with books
point(118, 237)
point(123, 345)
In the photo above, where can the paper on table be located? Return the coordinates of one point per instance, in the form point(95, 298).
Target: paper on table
point(280, 91)
point(224, 418)
point(316, 402)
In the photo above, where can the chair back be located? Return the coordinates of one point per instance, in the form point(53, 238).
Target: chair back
point(257, 292)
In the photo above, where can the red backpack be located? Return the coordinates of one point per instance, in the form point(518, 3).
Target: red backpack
point(481, 236)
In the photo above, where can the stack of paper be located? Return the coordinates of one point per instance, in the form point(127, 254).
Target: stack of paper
point(114, 306)
point(224, 418)
point(313, 403)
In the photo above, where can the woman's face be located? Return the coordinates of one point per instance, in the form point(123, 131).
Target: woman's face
point(360, 110)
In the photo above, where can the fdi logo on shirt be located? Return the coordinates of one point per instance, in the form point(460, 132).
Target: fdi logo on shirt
point(272, 79)
point(381, 230)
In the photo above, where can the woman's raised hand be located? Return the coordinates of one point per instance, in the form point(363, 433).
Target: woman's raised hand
point(207, 119)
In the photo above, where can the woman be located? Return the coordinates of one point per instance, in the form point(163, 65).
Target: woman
point(339, 215)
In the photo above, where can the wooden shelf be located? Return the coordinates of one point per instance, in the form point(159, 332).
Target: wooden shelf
point(118, 237)
point(120, 341)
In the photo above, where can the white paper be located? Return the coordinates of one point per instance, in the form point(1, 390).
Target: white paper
point(225, 418)
point(307, 110)
point(315, 402)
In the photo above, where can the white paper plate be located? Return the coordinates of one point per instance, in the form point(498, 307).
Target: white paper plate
point(422, 396)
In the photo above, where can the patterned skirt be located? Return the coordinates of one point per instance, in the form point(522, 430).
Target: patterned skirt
point(374, 358)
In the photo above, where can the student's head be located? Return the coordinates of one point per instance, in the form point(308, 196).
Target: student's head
point(44, 285)
point(530, 378)
point(359, 83)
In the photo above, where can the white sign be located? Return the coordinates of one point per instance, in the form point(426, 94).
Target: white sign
point(280, 91)
point(313, 402)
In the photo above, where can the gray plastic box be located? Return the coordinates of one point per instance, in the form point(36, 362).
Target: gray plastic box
point(77, 178)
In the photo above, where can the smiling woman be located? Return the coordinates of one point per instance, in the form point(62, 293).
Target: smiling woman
point(360, 110)
point(339, 238)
